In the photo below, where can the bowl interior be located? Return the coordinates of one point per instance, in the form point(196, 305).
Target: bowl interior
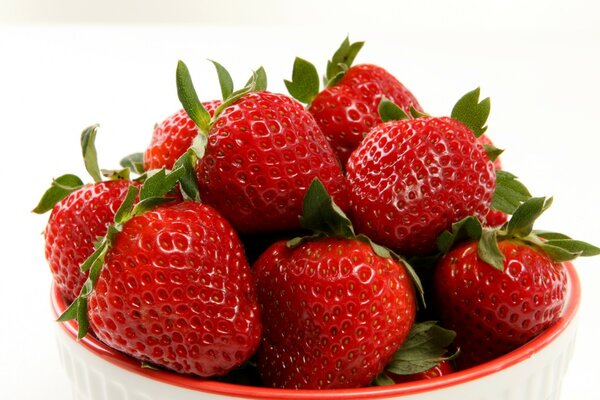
point(409, 388)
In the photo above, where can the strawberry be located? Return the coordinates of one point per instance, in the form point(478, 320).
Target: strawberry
point(263, 150)
point(335, 306)
point(169, 285)
point(347, 108)
point(79, 215)
point(172, 137)
point(73, 227)
point(410, 179)
point(500, 288)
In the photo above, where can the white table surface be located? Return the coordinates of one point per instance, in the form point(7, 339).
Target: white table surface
point(54, 81)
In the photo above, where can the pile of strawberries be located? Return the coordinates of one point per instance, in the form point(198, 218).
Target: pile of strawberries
point(356, 240)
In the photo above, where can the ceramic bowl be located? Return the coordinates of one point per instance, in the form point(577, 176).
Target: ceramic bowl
point(532, 372)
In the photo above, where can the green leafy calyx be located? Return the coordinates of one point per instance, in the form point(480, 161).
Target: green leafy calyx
point(424, 348)
point(389, 111)
point(519, 228)
point(60, 188)
point(342, 60)
point(304, 85)
point(472, 112)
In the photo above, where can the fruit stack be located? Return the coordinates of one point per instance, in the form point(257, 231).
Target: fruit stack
point(352, 241)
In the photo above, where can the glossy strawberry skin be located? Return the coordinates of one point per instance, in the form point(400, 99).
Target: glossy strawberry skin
point(348, 110)
point(494, 312)
point(74, 225)
point(262, 154)
point(172, 137)
point(333, 313)
point(176, 290)
point(411, 179)
point(442, 369)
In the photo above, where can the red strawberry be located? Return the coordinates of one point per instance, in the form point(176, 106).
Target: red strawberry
point(499, 295)
point(263, 151)
point(176, 290)
point(334, 311)
point(412, 179)
point(347, 109)
point(75, 224)
point(80, 215)
point(172, 138)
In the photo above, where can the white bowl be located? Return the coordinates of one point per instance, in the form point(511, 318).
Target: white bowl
point(532, 372)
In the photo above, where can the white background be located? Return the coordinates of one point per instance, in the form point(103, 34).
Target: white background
point(67, 64)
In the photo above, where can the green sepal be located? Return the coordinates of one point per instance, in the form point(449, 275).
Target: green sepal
point(188, 182)
point(342, 60)
point(124, 210)
point(149, 203)
point(492, 151)
point(389, 111)
point(189, 98)
point(568, 249)
point(469, 228)
point(60, 188)
point(97, 254)
point(417, 114)
point(260, 79)
point(488, 250)
point(70, 313)
point(160, 183)
point(521, 223)
point(320, 214)
point(548, 235)
point(225, 80)
point(88, 149)
point(382, 379)
point(135, 163)
point(424, 348)
point(471, 112)
point(304, 85)
point(510, 193)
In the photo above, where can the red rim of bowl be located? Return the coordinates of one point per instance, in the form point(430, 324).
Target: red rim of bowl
point(404, 389)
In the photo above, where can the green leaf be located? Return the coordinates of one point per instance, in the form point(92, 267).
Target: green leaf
point(382, 379)
point(488, 251)
point(492, 151)
point(423, 349)
point(188, 182)
point(98, 253)
point(471, 112)
point(60, 188)
point(509, 193)
point(416, 113)
point(557, 253)
point(388, 111)
point(124, 211)
point(225, 80)
point(321, 214)
point(469, 228)
point(70, 313)
point(150, 203)
point(88, 149)
point(135, 162)
point(342, 60)
point(189, 99)
point(82, 318)
point(160, 183)
point(260, 80)
point(550, 235)
point(304, 85)
point(521, 223)
point(575, 246)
